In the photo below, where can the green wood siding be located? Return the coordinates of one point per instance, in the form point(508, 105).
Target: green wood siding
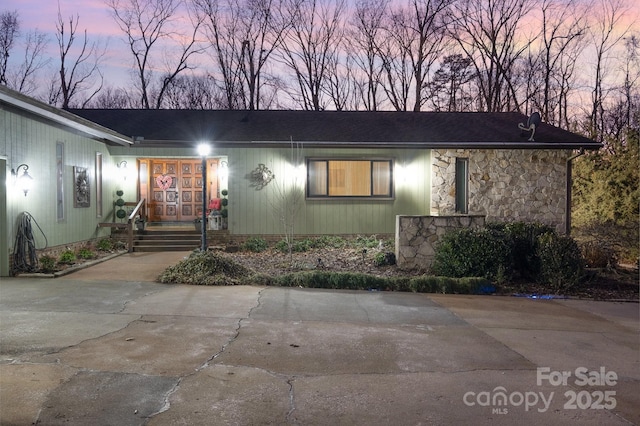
point(24, 139)
point(251, 211)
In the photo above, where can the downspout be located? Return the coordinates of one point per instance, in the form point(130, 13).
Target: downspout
point(567, 223)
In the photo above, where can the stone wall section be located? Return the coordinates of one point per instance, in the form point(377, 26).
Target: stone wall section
point(417, 236)
point(505, 185)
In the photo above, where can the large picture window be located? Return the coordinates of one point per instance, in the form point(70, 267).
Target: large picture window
point(349, 178)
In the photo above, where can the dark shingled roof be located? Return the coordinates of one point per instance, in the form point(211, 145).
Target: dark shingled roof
point(332, 128)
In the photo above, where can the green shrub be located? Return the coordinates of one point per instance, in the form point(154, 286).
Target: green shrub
point(105, 244)
point(562, 266)
point(522, 238)
point(330, 241)
point(297, 246)
point(255, 245)
point(67, 257)
point(384, 259)
point(47, 263)
point(362, 242)
point(85, 253)
point(483, 252)
point(358, 281)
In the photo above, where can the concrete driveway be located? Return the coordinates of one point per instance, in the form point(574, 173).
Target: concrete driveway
point(108, 346)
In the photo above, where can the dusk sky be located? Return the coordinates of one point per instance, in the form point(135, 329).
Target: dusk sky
point(95, 17)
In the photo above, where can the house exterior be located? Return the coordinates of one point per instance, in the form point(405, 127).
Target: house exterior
point(343, 173)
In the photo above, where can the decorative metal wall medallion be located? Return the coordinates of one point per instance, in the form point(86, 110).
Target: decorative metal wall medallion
point(260, 177)
point(81, 193)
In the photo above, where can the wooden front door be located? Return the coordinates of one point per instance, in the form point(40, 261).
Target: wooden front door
point(175, 189)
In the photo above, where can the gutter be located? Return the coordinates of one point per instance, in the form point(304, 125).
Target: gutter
point(567, 223)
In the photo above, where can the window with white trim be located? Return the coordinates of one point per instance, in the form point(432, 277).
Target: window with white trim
point(339, 178)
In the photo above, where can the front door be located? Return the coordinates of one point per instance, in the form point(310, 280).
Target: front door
point(174, 189)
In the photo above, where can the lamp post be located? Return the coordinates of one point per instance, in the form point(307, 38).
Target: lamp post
point(203, 151)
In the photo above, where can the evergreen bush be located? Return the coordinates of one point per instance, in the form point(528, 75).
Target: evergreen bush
point(483, 252)
point(255, 245)
point(561, 262)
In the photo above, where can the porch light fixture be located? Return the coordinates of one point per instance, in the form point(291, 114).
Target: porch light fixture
point(203, 151)
point(123, 168)
point(23, 181)
point(224, 172)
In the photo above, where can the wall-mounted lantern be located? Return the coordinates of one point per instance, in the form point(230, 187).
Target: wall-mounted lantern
point(23, 181)
point(122, 166)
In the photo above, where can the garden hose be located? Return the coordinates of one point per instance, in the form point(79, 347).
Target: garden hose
point(25, 258)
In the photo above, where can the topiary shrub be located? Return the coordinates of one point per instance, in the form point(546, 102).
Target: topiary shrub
point(561, 263)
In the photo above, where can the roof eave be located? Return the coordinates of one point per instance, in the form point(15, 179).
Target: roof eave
point(62, 117)
point(151, 143)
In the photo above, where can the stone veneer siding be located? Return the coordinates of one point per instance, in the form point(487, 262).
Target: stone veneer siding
point(505, 185)
point(417, 237)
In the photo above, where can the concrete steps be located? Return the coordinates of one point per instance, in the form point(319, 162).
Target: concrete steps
point(166, 240)
point(174, 238)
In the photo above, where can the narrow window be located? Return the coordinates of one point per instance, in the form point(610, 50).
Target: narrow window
point(60, 181)
point(98, 184)
point(462, 185)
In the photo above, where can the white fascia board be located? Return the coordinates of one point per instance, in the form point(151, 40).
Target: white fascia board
point(62, 117)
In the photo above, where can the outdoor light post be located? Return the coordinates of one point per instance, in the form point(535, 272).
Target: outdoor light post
point(203, 150)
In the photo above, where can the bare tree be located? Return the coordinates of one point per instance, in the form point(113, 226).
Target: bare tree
point(9, 29)
point(288, 195)
point(415, 37)
point(631, 70)
point(606, 33)
point(489, 33)
point(20, 75)
point(82, 73)
point(194, 92)
point(146, 25)
point(24, 78)
point(112, 98)
point(550, 65)
point(311, 46)
point(243, 35)
point(447, 87)
point(363, 41)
